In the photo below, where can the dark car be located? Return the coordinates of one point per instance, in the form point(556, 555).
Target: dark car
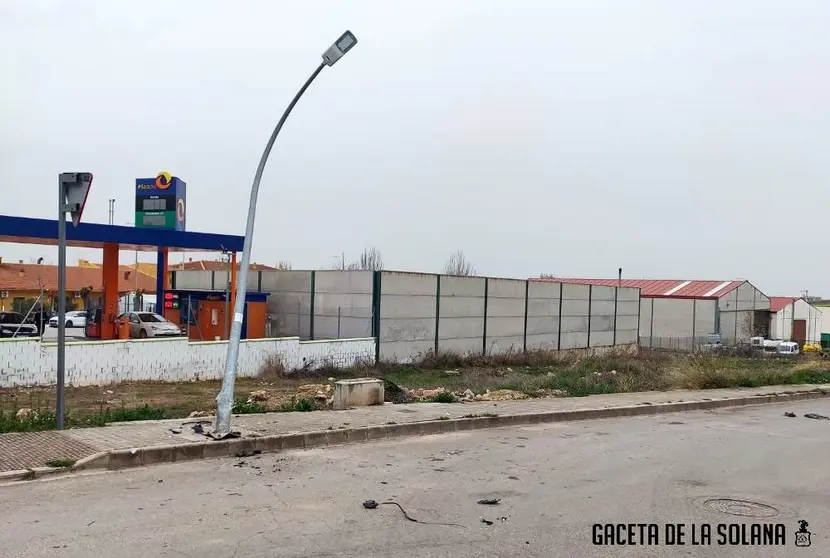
point(13, 324)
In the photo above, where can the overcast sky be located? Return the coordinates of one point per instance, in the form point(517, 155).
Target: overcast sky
point(673, 139)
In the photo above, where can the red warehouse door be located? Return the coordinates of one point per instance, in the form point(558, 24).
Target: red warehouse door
point(800, 331)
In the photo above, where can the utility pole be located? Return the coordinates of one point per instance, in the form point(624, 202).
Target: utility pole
point(224, 400)
point(73, 188)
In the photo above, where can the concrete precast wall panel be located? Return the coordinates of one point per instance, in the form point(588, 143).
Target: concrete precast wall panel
point(461, 319)
point(221, 280)
point(193, 280)
point(342, 304)
point(407, 315)
point(506, 315)
point(574, 320)
point(603, 306)
point(289, 302)
point(628, 315)
point(543, 304)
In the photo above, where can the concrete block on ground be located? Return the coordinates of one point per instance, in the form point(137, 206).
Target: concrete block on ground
point(357, 392)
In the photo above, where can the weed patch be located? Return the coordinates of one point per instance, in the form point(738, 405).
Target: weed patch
point(299, 405)
point(444, 397)
point(243, 406)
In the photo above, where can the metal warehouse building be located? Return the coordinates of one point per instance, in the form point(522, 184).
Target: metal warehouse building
point(680, 314)
point(795, 319)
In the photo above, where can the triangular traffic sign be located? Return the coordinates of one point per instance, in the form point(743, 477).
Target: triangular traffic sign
point(76, 189)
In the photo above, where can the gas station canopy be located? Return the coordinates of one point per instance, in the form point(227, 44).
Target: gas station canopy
point(27, 230)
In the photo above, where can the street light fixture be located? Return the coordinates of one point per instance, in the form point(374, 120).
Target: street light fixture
point(224, 401)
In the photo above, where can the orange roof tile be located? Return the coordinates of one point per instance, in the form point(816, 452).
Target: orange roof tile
point(213, 265)
point(30, 277)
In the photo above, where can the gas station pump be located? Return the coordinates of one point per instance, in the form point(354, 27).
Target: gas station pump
point(93, 323)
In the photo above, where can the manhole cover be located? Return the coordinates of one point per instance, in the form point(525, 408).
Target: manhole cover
point(745, 508)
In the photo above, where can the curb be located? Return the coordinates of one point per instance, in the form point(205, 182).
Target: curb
point(175, 453)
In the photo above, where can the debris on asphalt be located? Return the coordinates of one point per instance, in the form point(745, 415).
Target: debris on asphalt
point(176, 430)
point(240, 464)
point(485, 521)
point(160, 481)
point(197, 428)
point(372, 504)
point(790, 415)
point(502, 519)
point(815, 416)
point(489, 501)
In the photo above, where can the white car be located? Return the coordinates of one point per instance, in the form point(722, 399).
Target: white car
point(149, 324)
point(75, 318)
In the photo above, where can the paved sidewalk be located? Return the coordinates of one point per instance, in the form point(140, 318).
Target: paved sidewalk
point(29, 450)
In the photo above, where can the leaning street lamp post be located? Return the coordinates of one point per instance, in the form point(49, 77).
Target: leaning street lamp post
point(224, 401)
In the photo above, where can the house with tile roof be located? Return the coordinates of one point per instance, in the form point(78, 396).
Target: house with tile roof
point(792, 318)
point(682, 313)
point(21, 282)
point(213, 265)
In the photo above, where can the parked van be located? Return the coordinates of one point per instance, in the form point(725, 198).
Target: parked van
point(771, 347)
point(787, 348)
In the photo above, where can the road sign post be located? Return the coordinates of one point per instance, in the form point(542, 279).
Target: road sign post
point(73, 189)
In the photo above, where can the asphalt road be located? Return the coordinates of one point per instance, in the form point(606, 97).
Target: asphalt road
point(555, 481)
point(72, 334)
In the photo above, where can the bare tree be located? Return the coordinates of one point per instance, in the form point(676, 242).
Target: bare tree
point(458, 264)
point(284, 265)
point(370, 260)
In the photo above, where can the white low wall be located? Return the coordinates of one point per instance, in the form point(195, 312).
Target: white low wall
point(28, 362)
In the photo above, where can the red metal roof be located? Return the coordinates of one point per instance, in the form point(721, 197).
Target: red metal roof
point(674, 288)
point(776, 303)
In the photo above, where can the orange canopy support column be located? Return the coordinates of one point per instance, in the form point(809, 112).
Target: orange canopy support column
point(162, 280)
point(233, 288)
point(109, 312)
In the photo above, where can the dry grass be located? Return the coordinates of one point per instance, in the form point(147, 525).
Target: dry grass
point(542, 373)
point(536, 373)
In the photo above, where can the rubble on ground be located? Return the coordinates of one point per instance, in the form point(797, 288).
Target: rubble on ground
point(504, 395)
point(421, 394)
point(393, 393)
point(320, 393)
